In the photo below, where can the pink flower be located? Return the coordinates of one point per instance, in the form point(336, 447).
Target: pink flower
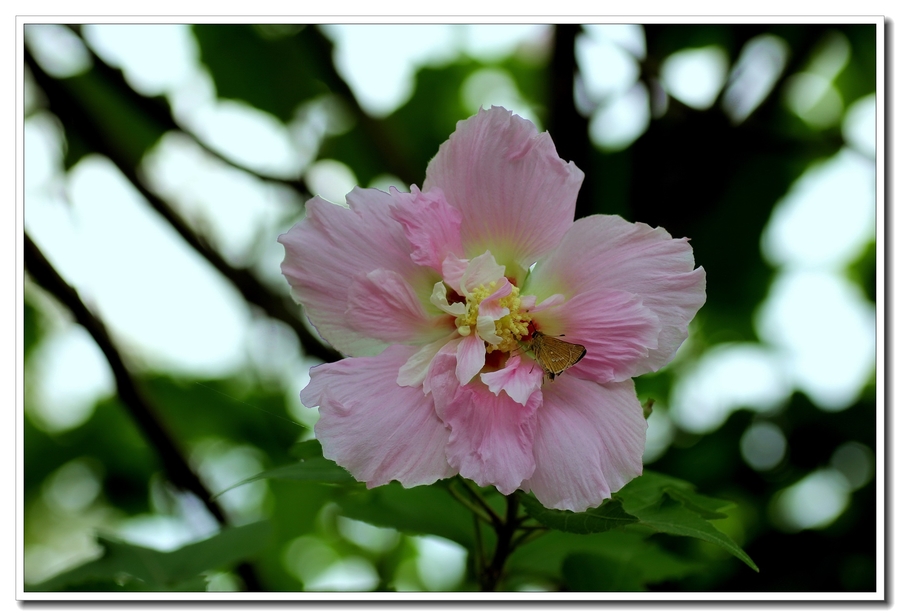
point(434, 295)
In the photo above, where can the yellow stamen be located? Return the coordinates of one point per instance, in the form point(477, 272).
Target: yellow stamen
point(510, 328)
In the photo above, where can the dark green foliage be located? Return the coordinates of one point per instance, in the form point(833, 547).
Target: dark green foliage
point(272, 73)
point(425, 510)
point(137, 568)
point(661, 503)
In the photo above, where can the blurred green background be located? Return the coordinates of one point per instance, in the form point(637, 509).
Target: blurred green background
point(162, 161)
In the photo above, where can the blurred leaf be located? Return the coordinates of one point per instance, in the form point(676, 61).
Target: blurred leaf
point(229, 408)
point(272, 73)
point(108, 436)
point(154, 570)
point(313, 467)
point(628, 547)
point(607, 516)
point(858, 77)
point(864, 270)
point(594, 572)
point(416, 130)
point(124, 128)
point(423, 510)
point(35, 326)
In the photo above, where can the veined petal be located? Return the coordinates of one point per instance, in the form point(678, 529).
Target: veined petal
point(588, 443)
point(491, 435)
point(431, 225)
point(414, 371)
point(490, 305)
point(331, 247)
point(469, 358)
point(383, 306)
point(452, 270)
point(617, 330)
point(606, 252)
point(518, 378)
point(554, 300)
point(482, 270)
point(516, 196)
point(374, 428)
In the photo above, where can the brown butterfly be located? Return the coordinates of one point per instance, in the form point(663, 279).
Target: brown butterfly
point(555, 356)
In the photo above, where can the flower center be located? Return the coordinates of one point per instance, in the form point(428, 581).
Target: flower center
point(510, 321)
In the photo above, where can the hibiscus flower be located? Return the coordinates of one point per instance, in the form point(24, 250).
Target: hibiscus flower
point(435, 295)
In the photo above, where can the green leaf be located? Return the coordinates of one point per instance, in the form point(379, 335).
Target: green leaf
point(626, 548)
point(671, 505)
point(671, 516)
point(708, 507)
point(311, 467)
point(423, 510)
point(648, 407)
point(607, 516)
point(649, 489)
point(135, 567)
point(271, 70)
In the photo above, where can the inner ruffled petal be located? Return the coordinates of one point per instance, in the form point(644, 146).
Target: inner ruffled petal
point(482, 270)
point(383, 305)
point(439, 299)
point(431, 225)
point(519, 378)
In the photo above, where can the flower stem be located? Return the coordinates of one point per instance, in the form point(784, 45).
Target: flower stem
point(505, 529)
point(486, 514)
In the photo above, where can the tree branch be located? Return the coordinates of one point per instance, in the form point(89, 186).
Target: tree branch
point(92, 131)
point(566, 125)
point(505, 531)
point(158, 110)
point(379, 137)
point(141, 410)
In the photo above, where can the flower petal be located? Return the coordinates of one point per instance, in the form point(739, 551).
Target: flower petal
point(487, 330)
point(374, 428)
point(518, 378)
point(383, 306)
point(588, 443)
point(414, 371)
point(331, 247)
point(469, 358)
point(439, 299)
point(516, 196)
point(491, 435)
point(482, 270)
point(608, 252)
point(614, 326)
point(490, 305)
point(452, 270)
point(431, 225)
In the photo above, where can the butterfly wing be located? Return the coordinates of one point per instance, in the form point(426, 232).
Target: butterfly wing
point(555, 356)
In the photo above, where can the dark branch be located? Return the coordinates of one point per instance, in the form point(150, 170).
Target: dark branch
point(140, 408)
point(566, 125)
point(158, 110)
point(505, 530)
point(379, 137)
point(94, 133)
point(147, 418)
